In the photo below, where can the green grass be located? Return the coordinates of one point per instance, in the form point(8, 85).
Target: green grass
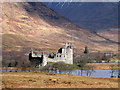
point(60, 66)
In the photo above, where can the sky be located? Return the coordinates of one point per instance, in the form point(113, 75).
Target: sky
point(59, 0)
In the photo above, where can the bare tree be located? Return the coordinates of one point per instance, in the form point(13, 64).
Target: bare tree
point(112, 67)
point(81, 62)
point(89, 70)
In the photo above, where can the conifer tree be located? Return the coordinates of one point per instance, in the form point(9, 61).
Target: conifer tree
point(86, 50)
point(9, 65)
point(16, 63)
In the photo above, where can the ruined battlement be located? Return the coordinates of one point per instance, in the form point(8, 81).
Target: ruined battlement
point(64, 54)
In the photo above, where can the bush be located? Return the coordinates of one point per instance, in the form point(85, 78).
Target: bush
point(60, 66)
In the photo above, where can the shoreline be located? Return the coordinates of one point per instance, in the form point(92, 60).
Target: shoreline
point(88, 73)
point(95, 65)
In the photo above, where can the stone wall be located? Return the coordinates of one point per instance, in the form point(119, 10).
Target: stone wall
point(65, 55)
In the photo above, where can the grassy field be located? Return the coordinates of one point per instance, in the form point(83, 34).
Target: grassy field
point(104, 65)
point(45, 80)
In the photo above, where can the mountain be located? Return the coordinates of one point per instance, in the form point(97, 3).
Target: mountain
point(34, 25)
point(89, 15)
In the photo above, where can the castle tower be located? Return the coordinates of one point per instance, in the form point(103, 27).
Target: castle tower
point(31, 51)
point(44, 62)
point(67, 52)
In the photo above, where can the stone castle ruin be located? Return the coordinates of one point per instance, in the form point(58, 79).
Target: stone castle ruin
point(65, 54)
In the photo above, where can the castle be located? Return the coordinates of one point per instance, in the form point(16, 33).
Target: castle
point(65, 54)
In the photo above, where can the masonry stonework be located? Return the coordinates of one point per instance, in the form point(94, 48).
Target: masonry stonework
point(65, 54)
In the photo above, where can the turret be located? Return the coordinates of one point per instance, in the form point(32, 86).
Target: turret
point(67, 52)
point(31, 51)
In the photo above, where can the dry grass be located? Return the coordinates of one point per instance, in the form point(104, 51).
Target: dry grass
point(22, 29)
point(103, 65)
point(44, 80)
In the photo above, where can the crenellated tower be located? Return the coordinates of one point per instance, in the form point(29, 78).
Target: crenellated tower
point(67, 52)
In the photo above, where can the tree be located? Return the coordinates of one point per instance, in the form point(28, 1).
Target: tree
point(60, 67)
point(106, 58)
point(9, 65)
point(112, 70)
point(86, 50)
point(23, 67)
point(81, 62)
point(16, 63)
point(98, 58)
point(89, 70)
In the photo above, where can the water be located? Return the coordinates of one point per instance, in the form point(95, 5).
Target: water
point(96, 73)
point(92, 73)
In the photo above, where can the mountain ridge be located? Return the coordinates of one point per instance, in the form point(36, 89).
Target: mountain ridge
point(39, 27)
point(95, 15)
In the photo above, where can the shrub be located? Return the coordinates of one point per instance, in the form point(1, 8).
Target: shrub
point(60, 66)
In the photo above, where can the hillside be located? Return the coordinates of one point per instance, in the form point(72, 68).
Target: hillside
point(27, 25)
point(92, 15)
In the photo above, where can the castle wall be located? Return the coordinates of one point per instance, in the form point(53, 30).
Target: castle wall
point(69, 56)
point(65, 56)
point(45, 60)
point(58, 58)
